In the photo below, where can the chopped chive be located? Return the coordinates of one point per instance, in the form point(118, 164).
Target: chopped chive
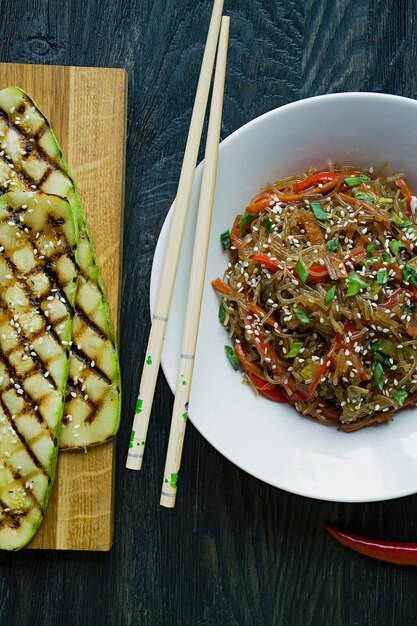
point(379, 376)
point(294, 350)
point(405, 224)
point(386, 360)
point(370, 249)
point(409, 274)
point(352, 181)
point(386, 257)
point(330, 294)
point(361, 195)
point(333, 244)
point(355, 284)
point(231, 355)
point(268, 224)
point(382, 276)
point(395, 245)
point(364, 178)
point(225, 239)
point(318, 211)
point(400, 396)
point(222, 314)
point(301, 316)
point(302, 271)
point(375, 346)
point(246, 219)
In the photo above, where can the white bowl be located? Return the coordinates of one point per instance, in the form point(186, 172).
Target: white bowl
point(272, 441)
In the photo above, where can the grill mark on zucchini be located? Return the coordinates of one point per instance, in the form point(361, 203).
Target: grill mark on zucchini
point(81, 356)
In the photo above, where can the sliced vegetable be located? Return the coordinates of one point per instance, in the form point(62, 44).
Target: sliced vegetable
point(386, 257)
point(231, 355)
point(261, 202)
point(268, 224)
point(269, 390)
point(361, 195)
point(392, 552)
point(370, 249)
point(301, 315)
point(364, 178)
point(296, 346)
point(333, 244)
point(382, 276)
point(38, 284)
point(221, 286)
point(318, 211)
point(355, 284)
point(302, 271)
point(379, 376)
point(264, 259)
point(352, 181)
point(225, 239)
point(222, 314)
point(36, 161)
point(247, 219)
point(330, 294)
point(400, 396)
point(234, 233)
point(395, 245)
point(313, 230)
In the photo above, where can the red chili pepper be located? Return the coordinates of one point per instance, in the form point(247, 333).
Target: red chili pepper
point(319, 179)
point(392, 552)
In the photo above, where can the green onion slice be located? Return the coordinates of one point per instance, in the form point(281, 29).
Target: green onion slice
point(302, 271)
point(379, 376)
point(386, 257)
point(382, 276)
point(294, 350)
point(355, 284)
point(370, 249)
point(405, 224)
point(222, 314)
point(352, 181)
point(333, 244)
point(330, 294)
point(246, 219)
point(364, 178)
point(225, 239)
point(268, 224)
point(361, 195)
point(400, 396)
point(231, 355)
point(318, 211)
point(301, 316)
point(395, 245)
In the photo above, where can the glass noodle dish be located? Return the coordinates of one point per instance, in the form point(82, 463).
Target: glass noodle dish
point(320, 294)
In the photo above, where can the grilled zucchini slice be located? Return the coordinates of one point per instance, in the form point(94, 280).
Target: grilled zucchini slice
point(31, 159)
point(38, 284)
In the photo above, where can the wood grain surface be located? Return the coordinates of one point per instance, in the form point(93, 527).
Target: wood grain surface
point(86, 108)
point(234, 551)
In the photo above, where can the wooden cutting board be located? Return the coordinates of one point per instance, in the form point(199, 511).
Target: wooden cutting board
point(87, 111)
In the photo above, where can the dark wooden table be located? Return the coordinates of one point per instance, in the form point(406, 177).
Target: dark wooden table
point(234, 551)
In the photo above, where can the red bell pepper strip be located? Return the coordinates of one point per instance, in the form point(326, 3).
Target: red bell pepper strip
point(314, 180)
point(269, 390)
point(392, 552)
point(260, 203)
point(264, 259)
point(234, 237)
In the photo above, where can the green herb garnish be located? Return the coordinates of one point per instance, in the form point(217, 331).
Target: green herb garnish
point(231, 355)
point(222, 314)
point(405, 224)
point(268, 224)
point(294, 350)
point(330, 294)
point(246, 219)
point(361, 195)
point(409, 275)
point(370, 249)
point(400, 396)
point(379, 376)
point(382, 276)
point(225, 239)
point(355, 284)
point(301, 316)
point(375, 346)
point(395, 245)
point(386, 257)
point(333, 244)
point(352, 181)
point(318, 211)
point(302, 271)
point(364, 178)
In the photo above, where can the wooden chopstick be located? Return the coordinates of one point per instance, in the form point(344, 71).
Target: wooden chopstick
point(152, 359)
point(196, 284)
